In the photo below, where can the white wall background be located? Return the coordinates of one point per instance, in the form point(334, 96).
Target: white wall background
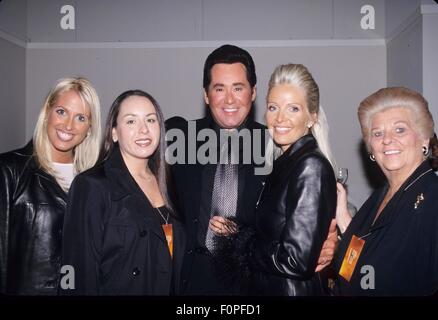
point(160, 46)
point(12, 95)
point(12, 74)
point(430, 60)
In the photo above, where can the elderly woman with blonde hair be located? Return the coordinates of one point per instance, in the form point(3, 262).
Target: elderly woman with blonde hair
point(34, 182)
point(390, 247)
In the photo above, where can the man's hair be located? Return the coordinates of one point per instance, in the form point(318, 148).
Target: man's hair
point(229, 54)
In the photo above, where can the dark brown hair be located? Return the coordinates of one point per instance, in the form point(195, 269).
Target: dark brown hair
point(157, 162)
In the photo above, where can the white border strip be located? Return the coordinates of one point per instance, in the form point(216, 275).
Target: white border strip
point(206, 44)
point(12, 39)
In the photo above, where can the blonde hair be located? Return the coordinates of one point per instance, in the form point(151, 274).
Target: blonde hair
point(87, 152)
point(396, 97)
point(298, 75)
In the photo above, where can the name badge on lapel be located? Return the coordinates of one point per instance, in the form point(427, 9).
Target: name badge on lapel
point(168, 232)
point(351, 256)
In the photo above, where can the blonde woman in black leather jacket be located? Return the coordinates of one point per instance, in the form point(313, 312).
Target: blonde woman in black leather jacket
point(33, 185)
point(279, 255)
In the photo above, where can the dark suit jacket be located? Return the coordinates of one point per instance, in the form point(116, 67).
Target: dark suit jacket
point(113, 238)
point(198, 273)
point(401, 246)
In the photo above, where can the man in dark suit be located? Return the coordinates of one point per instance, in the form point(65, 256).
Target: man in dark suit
point(207, 189)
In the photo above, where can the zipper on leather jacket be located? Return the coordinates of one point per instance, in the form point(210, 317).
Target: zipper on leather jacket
point(260, 195)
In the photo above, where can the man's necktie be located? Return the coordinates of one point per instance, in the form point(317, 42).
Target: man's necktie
point(225, 190)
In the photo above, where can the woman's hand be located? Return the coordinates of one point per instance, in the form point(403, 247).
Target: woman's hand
point(222, 226)
point(328, 248)
point(343, 217)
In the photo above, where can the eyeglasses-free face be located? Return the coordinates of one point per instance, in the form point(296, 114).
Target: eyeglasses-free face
point(68, 123)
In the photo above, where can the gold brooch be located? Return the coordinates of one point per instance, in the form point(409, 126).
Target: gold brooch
point(420, 198)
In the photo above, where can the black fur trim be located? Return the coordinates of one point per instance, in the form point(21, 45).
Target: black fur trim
point(233, 258)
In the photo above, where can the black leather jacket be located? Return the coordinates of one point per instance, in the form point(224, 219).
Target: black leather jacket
point(293, 217)
point(32, 207)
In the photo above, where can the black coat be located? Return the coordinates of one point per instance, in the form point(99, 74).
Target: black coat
point(113, 238)
point(402, 246)
point(198, 273)
point(32, 206)
point(296, 207)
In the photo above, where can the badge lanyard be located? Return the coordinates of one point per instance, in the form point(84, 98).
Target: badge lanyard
point(357, 243)
point(167, 228)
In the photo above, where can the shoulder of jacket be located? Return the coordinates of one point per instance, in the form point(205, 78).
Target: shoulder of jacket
point(314, 158)
point(15, 160)
point(256, 125)
point(430, 184)
point(176, 122)
point(94, 175)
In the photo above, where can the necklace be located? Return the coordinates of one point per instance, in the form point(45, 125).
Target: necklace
point(166, 220)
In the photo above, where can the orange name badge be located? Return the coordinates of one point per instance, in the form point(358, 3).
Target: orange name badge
point(351, 257)
point(169, 236)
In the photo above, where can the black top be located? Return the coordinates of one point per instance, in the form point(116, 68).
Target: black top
point(402, 246)
point(162, 214)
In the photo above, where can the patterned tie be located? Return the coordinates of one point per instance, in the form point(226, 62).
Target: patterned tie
point(225, 192)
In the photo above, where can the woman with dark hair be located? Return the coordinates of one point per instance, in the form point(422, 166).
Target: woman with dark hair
point(121, 233)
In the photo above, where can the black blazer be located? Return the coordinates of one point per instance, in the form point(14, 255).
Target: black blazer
point(198, 273)
point(32, 207)
point(296, 207)
point(402, 246)
point(113, 238)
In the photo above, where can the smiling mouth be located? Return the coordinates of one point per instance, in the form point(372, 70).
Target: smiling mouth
point(64, 136)
point(230, 110)
point(391, 152)
point(282, 130)
point(143, 142)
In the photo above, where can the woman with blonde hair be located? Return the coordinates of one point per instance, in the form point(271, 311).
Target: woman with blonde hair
point(390, 247)
point(34, 182)
point(298, 202)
